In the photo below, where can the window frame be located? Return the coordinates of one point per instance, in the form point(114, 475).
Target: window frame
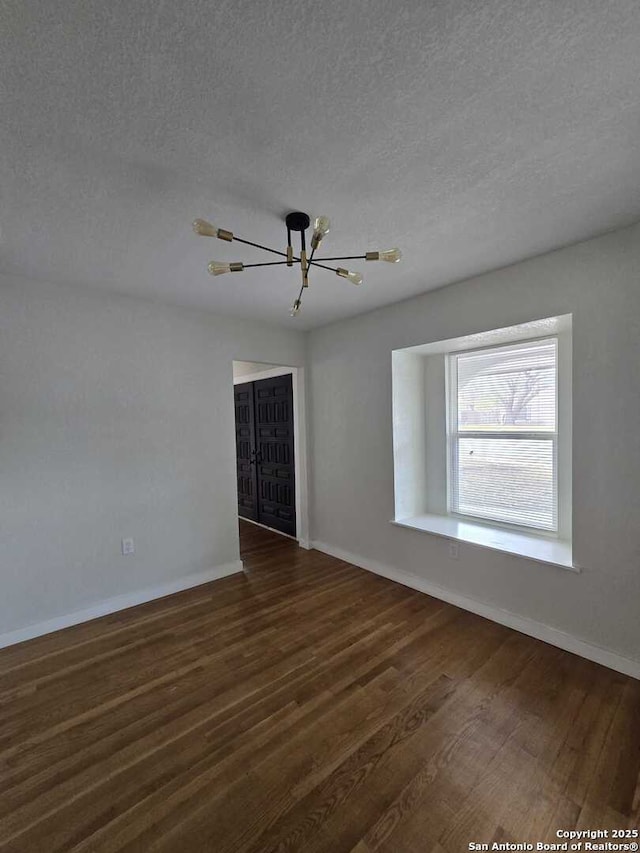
point(453, 435)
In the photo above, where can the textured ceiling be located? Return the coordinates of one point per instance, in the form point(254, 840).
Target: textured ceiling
point(472, 133)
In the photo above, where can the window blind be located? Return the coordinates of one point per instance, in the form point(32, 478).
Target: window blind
point(503, 434)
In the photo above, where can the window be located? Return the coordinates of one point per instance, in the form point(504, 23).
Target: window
point(503, 434)
point(482, 439)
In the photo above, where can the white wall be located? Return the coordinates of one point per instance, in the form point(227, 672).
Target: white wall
point(409, 427)
point(352, 453)
point(116, 419)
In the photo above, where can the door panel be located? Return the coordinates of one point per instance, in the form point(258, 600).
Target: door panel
point(273, 406)
point(245, 451)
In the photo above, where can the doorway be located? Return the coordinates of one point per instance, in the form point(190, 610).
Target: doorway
point(271, 447)
point(265, 452)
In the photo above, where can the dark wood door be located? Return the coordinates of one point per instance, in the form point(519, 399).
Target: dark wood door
point(246, 451)
point(273, 403)
point(265, 453)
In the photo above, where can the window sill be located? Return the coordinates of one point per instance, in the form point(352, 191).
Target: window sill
point(551, 551)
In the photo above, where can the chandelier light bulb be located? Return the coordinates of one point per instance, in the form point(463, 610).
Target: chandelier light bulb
point(322, 225)
point(321, 228)
point(220, 267)
point(204, 228)
point(391, 255)
point(295, 308)
point(353, 277)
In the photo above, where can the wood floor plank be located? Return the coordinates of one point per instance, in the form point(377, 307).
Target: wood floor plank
point(198, 723)
point(285, 762)
point(306, 705)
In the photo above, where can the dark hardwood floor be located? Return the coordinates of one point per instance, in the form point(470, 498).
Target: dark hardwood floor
point(307, 705)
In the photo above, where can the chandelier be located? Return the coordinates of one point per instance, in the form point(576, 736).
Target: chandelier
point(295, 222)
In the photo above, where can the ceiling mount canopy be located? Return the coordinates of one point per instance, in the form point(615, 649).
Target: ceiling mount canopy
point(295, 222)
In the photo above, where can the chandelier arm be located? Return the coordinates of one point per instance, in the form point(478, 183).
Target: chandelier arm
point(345, 258)
point(272, 263)
point(283, 254)
point(323, 266)
point(285, 263)
point(304, 264)
point(305, 279)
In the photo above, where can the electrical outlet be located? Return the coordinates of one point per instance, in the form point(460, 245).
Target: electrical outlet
point(128, 547)
point(453, 550)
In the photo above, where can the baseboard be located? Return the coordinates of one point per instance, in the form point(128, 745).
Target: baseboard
point(119, 602)
point(539, 630)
